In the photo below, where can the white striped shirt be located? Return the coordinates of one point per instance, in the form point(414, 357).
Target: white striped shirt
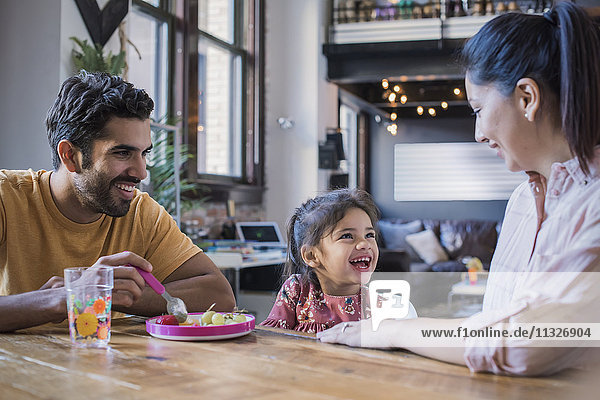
point(546, 268)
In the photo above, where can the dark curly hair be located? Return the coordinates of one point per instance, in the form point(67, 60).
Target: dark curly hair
point(84, 105)
point(317, 218)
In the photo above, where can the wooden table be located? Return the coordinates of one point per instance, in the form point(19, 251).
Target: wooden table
point(39, 363)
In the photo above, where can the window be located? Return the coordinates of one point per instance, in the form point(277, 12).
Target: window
point(200, 62)
point(219, 111)
point(349, 124)
point(148, 55)
point(216, 17)
point(155, 3)
point(222, 105)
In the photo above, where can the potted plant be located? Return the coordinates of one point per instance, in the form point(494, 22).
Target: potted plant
point(92, 58)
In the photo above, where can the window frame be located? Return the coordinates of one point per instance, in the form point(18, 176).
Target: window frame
point(181, 17)
point(162, 14)
point(249, 186)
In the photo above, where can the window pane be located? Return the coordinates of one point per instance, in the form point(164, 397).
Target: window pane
point(216, 17)
point(219, 111)
point(348, 125)
point(148, 69)
point(155, 3)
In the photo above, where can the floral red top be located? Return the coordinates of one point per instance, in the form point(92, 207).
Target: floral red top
point(305, 308)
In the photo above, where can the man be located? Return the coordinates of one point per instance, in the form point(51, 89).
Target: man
point(87, 212)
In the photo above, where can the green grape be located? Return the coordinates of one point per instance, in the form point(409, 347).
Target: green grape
point(239, 318)
point(218, 319)
point(207, 317)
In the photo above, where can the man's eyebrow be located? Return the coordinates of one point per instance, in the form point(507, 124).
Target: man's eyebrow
point(128, 147)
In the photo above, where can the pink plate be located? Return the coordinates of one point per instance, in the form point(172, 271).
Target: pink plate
point(194, 333)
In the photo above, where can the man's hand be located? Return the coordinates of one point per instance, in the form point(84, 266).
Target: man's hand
point(128, 283)
point(53, 283)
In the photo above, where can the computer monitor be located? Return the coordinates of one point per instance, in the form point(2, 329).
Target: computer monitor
point(260, 233)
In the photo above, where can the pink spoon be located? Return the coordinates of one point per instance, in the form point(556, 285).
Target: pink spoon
point(175, 306)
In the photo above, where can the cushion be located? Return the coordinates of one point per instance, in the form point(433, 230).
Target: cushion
point(394, 236)
point(449, 266)
point(427, 246)
point(462, 238)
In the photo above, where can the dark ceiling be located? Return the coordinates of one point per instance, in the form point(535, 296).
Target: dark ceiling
point(427, 94)
point(425, 71)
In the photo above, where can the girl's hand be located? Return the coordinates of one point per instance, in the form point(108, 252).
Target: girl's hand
point(357, 334)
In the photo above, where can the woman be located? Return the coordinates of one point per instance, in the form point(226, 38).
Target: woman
point(533, 83)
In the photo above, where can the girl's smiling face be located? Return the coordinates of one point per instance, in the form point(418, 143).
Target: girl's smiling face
point(345, 254)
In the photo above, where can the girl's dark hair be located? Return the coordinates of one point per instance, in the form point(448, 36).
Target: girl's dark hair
point(317, 218)
point(84, 105)
point(560, 50)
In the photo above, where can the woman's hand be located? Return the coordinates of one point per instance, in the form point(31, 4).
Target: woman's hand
point(359, 334)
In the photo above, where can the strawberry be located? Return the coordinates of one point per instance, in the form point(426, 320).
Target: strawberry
point(166, 320)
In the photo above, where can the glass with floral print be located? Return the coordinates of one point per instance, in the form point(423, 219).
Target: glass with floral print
point(89, 300)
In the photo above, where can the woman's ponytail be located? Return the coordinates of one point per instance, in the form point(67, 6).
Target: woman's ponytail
point(579, 79)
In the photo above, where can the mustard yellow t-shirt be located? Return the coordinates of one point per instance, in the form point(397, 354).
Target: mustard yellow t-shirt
point(37, 241)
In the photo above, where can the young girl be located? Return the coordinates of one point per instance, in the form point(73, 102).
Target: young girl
point(331, 247)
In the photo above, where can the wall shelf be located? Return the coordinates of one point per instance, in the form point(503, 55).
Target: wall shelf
point(407, 30)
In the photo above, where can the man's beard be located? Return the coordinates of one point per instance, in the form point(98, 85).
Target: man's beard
point(93, 190)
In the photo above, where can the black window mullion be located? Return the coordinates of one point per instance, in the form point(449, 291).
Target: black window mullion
point(218, 42)
point(155, 12)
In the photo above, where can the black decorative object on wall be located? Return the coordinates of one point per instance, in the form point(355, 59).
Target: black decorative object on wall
point(102, 24)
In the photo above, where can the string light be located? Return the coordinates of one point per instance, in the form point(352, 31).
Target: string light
point(396, 88)
point(393, 116)
point(392, 97)
point(444, 105)
point(431, 112)
point(393, 129)
point(457, 91)
point(384, 83)
point(403, 99)
point(420, 110)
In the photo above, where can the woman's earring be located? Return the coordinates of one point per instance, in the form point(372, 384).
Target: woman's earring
point(526, 115)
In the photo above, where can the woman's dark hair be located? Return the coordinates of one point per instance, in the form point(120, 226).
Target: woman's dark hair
point(317, 218)
point(560, 50)
point(84, 105)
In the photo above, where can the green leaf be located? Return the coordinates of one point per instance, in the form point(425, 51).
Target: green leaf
point(92, 58)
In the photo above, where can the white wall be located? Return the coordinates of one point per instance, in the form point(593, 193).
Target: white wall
point(36, 58)
point(71, 24)
point(295, 88)
point(29, 80)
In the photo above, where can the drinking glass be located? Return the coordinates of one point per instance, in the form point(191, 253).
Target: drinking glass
point(89, 299)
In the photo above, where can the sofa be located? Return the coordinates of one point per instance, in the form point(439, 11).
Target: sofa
point(434, 244)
